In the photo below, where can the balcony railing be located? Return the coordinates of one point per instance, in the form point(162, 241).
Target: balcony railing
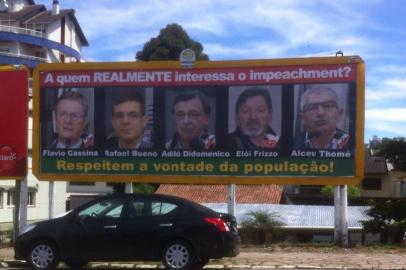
point(35, 58)
point(19, 30)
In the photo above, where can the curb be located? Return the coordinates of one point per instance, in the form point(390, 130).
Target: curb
point(142, 265)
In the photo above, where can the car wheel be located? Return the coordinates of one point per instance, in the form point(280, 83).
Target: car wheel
point(178, 255)
point(43, 255)
point(76, 265)
point(199, 263)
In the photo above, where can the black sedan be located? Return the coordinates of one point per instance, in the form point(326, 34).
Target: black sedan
point(131, 227)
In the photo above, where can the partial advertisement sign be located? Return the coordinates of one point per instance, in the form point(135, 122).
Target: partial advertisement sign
point(13, 122)
point(258, 121)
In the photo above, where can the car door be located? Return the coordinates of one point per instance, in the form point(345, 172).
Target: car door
point(147, 228)
point(95, 232)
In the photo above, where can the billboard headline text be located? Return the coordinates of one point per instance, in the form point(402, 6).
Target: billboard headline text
point(228, 76)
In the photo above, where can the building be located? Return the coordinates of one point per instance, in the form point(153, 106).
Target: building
point(30, 34)
point(307, 223)
point(381, 181)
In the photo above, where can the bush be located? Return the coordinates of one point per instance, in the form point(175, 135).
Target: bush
point(260, 227)
point(389, 219)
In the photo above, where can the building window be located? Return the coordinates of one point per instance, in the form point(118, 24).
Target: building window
point(372, 184)
point(40, 54)
point(403, 189)
point(31, 198)
point(4, 50)
point(10, 197)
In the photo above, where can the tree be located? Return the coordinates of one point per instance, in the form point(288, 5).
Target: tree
point(263, 222)
point(168, 45)
point(388, 219)
point(353, 191)
point(394, 151)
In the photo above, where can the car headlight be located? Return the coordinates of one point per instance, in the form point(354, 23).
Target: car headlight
point(28, 228)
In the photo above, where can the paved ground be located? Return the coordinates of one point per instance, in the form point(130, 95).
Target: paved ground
point(283, 259)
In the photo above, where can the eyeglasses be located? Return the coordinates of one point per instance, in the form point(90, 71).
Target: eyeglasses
point(130, 115)
point(74, 117)
point(328, 105)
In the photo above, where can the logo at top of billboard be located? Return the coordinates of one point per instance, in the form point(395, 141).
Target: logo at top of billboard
point(303, 127)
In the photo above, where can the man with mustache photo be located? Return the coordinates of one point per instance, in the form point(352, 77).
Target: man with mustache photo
point(253, 112)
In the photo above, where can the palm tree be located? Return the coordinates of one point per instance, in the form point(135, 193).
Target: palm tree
point(263, 222)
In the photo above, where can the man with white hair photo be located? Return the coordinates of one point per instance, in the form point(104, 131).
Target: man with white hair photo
point(320, 113)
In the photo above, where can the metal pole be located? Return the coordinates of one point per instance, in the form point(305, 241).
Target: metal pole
point(231, 199)
point(51, 205)
point(16, 212)
point(129, 188)
point(23, 204)
point(344, 216)
point(337, 221)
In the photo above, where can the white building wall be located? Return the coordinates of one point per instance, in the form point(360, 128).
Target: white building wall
point(40, 210)
point(54, 34)
point(71, 38)
point(98, 188)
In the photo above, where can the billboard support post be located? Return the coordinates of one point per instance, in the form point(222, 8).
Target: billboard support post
point(341, 216)
point(51, 196)
point(231, 199)
point(129, 188)
point(344, 215)
point(16, 212)
point(23, 202)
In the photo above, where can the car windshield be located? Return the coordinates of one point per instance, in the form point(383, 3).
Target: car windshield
point(110, 208)
point(63, 214)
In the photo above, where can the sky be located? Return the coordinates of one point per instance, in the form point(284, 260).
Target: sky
point(267, 29)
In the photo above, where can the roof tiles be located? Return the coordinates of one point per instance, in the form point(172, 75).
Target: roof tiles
point(259, 194)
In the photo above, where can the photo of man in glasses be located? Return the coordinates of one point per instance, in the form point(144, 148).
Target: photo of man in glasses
point(320, 113)
point(71, 111)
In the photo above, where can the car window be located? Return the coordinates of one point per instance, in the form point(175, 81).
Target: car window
point(137, 209)
point(115, 212)
point(107, 208)
point(162, 208)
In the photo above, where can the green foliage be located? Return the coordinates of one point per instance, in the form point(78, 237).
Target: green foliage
point(389, 219)
point(263, 224)
point(261, 220)
point(168, 45)
point(352, 191)
point(393, 150)
point(144, 188)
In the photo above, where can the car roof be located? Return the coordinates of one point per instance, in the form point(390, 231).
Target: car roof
point(179, 200)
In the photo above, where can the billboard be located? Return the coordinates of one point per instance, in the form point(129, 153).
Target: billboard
point(297, 121)
point(13, 122)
